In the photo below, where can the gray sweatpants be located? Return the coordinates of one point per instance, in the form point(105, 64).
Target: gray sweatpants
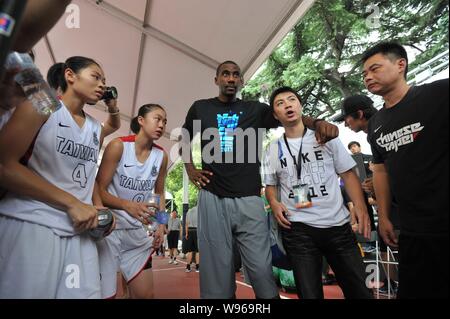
point(219, 221)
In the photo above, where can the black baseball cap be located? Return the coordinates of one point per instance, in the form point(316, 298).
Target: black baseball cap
point(352, 104)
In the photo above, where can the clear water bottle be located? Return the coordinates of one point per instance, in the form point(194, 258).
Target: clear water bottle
point(154, 200)
point(156, 217)
point(105, 220)
point(42, 97)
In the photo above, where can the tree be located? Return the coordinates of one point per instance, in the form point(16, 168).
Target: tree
point(174, 184)
point(174, 180)
point(320, 57)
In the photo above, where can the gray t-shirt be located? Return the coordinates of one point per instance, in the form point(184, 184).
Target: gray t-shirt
point(173, 224)
point(191, 217)
point(320, 166)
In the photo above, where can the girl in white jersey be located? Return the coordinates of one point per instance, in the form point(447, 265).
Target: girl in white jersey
point(132, 169)
point(45, 249)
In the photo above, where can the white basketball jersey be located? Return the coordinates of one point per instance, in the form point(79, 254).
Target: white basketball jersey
point(66, 156)
point(133, 180)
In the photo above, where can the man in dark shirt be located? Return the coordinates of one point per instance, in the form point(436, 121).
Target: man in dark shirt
point(409, 140)
point(356, 112)
point(355, 148)
point(229, 204)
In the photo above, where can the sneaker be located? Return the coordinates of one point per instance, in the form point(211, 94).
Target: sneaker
point(197, 268)
point(368, 248)
point(384, 289)
point(171, 261)
point(328, 280)
point(188, 269)
point(175, 262)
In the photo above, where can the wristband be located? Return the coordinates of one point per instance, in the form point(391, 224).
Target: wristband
point(162, 217)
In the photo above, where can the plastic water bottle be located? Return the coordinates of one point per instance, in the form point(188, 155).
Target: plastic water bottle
point(30, 79)
point(154, 199)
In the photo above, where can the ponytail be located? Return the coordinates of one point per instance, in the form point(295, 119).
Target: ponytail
point(56, 74)
point(134, 125)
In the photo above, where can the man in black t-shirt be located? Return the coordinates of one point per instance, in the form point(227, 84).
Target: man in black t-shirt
point(356, 112)
point(355, 148)
point(229, 204)
point(409, 140)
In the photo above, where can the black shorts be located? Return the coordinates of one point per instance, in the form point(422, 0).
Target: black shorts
point(172, 238)
point(191, 242)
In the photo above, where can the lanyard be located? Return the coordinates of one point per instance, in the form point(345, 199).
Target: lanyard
point(298, 164)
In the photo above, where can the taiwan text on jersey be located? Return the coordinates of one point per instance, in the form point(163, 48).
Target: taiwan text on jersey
point(133, 180)
point(65, 155)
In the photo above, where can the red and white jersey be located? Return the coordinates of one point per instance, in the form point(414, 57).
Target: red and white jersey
point(66, 156)
point(133, 180)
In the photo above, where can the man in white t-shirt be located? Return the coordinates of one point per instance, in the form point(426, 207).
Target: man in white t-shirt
point(311, 213)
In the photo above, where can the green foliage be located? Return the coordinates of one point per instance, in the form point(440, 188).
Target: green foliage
point(320, 56)
point(174, 181)
point(174, 185)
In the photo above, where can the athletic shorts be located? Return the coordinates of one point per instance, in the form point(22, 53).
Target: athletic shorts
point(125, 250)
point(35, 263)
point(191, 242)
point(172, 238)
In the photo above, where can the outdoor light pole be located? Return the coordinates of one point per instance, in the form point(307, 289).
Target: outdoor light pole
point(185, 204)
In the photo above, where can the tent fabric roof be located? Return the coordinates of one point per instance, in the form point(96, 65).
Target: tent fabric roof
point(167, 51)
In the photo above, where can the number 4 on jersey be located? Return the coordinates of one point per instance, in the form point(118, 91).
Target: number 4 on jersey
point(79, 175)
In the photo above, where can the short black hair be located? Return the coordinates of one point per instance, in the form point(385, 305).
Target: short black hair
point(353, 143)
point(367, 113)
point(223, 63)
point(393, 50)
point(283, 89)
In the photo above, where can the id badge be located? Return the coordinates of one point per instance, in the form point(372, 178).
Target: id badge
point(301, 196)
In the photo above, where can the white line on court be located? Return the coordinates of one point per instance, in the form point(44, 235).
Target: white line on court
point(163, 269)
point(247, 285)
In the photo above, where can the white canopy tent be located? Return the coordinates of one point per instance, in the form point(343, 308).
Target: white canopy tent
point(167, 51)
